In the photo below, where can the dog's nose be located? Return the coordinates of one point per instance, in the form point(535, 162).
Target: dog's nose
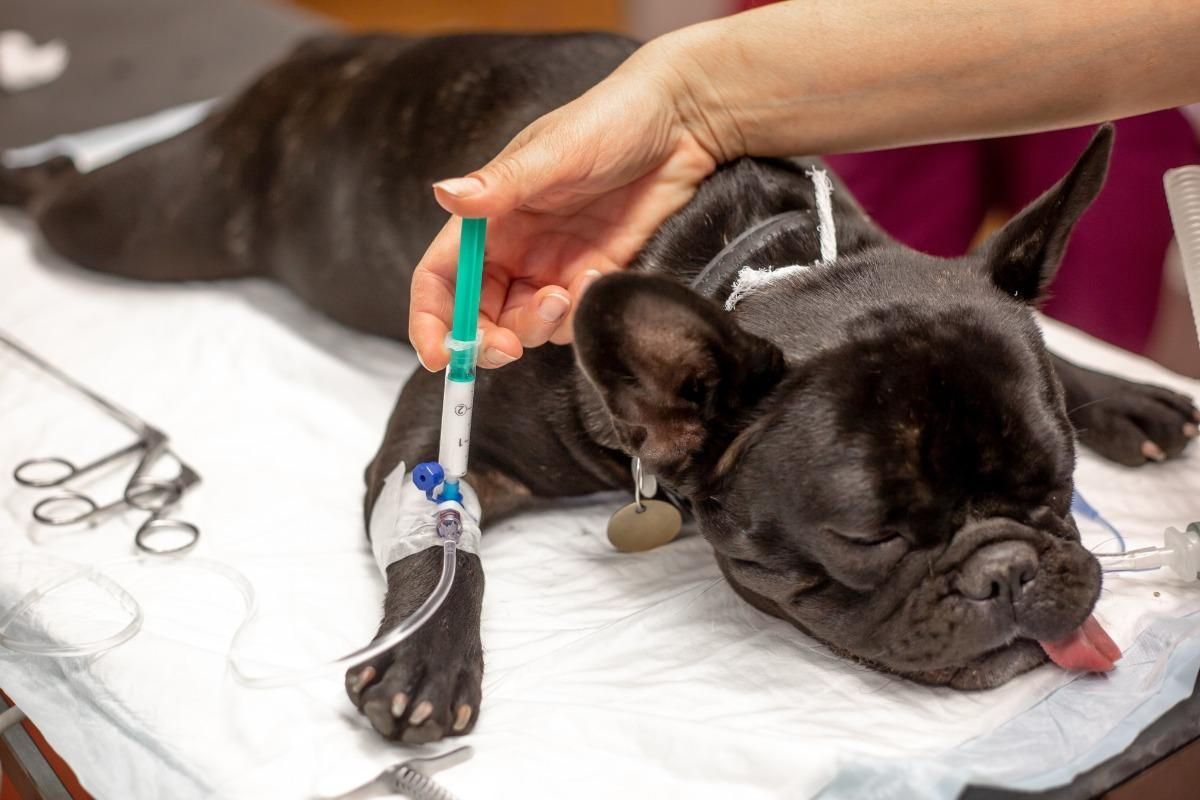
point(998, 571)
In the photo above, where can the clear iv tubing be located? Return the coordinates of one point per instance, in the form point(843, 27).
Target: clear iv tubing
point(95, 575)
point(381, 645)
point(57, 650)
point(1085, 509)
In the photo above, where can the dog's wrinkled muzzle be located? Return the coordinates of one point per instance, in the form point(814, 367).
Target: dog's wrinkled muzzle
point(1046, 580)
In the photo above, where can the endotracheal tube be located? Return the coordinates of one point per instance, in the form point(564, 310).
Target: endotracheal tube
point(1181, 549)
point(1180, 552)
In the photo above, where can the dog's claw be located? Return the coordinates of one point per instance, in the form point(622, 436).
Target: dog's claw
point(421, 713)
point(1135, 423)
point(1153, 452)
point(462, 717)
point(356, 682)
point(422, 691)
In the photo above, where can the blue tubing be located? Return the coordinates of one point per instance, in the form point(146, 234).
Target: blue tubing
point(1084, 509)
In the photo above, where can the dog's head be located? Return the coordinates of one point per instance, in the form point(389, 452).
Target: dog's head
point(878, 450)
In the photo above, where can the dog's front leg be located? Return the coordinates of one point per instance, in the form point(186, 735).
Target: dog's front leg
point(428, 686)
point(1130, 423)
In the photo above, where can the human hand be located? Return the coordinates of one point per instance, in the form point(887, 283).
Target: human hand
point(574, 195)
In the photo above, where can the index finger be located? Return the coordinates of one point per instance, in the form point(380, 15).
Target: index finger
point(431, 299)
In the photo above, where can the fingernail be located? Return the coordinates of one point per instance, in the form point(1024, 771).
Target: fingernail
point(460, 187)
point(1153, 452)
point(421, 713)
point(399, 703)
point(462, 718)
point(496, 357)
point(1190, 431)
point(553, 307)
point(422, 361)
point(589, 278)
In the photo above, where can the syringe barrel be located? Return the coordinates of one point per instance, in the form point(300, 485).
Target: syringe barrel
point(463, 344)
point(457, 400)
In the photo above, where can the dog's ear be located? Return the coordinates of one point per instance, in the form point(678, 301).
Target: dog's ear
point(1024, 255)
point(674, 371)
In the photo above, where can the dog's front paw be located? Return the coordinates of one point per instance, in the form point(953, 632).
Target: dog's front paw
point(425, 689)
point(1132, 423)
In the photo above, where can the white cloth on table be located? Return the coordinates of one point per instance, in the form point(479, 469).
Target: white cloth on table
point(607, 674)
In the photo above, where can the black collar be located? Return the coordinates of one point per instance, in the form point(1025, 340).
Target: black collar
point(714, 280)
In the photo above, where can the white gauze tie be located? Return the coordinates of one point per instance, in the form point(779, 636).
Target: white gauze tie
point(750, 280)
point(404, 522)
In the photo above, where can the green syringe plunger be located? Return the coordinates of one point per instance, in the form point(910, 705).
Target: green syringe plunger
point(467, 288)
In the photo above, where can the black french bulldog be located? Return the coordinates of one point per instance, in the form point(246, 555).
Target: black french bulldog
point(879, 451)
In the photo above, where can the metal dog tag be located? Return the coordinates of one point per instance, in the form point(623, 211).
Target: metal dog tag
point(634, 529)
point(643, 524)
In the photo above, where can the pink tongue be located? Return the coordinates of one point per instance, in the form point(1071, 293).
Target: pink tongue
point(1087, 648)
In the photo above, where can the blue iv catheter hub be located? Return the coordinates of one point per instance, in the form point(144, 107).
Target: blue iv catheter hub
point(428, 476)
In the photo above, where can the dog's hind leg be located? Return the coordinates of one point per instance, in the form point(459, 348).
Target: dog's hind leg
point(159, 214)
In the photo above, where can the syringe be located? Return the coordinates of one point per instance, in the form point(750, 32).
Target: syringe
point(459, 394)
point(448, 523)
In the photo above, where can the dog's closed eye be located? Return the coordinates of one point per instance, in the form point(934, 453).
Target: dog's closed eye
point(861, 560)
point(790, 581)
point(878, 537)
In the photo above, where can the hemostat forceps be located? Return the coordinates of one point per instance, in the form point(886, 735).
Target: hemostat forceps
point(142, 491)
point(54, 471)
point(411, 778)
point(157, 496)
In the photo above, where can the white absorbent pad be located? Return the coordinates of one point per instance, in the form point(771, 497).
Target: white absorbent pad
point(607, 674)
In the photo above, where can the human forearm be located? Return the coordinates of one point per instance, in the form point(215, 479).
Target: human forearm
point(809, 76)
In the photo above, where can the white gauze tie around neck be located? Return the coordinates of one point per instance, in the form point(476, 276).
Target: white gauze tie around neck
point(751, 280)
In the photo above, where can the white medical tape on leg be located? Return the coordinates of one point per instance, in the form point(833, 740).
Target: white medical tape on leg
point(404, 522)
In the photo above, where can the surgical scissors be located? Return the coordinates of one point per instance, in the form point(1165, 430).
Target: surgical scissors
point(142, 491)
